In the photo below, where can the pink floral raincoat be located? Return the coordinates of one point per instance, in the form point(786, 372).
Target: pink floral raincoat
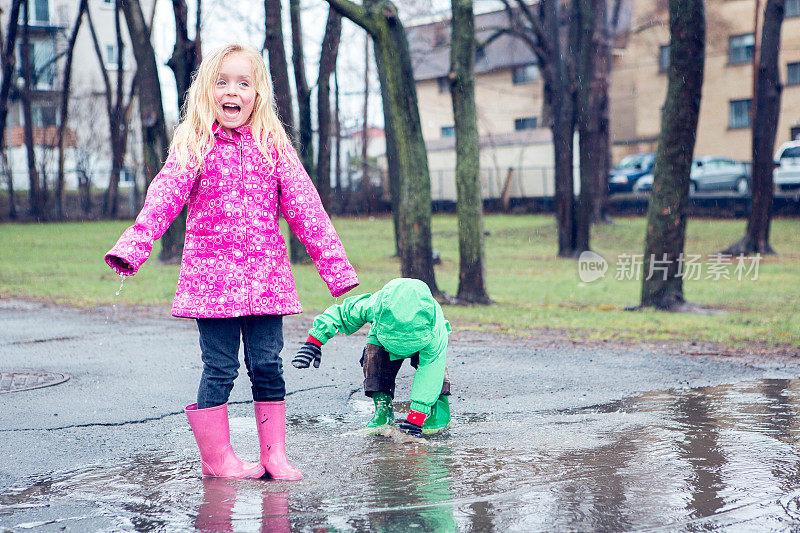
point(234, 259)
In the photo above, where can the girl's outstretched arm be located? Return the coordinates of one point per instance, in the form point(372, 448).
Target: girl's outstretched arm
point(166, 196)
point(301, 207)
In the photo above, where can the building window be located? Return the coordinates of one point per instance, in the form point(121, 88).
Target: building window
point(41, 11)
point(44, 115)
point(44, 68)
point(792, 8)
point(739, 114)
point(740, 48)
point(527, 123)
point(111, 58)
point(108, 3)
point(663, 58)
point(126, 174)
point(480, 53)
point(793, 74)
point(448, 131)
point(444, 84)
point(525, 74)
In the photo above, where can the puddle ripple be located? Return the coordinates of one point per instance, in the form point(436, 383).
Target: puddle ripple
point(712, 458)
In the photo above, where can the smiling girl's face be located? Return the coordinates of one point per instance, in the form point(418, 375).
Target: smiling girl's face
point(234, 92)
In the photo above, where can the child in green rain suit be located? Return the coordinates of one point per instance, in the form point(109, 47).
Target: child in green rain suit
point(406, 323)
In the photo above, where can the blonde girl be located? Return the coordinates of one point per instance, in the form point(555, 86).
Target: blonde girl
point(231, 161)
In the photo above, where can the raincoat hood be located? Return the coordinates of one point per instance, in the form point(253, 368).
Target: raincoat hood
point(405, 314)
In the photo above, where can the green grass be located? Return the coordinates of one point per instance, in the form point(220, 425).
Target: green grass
point(532, 288)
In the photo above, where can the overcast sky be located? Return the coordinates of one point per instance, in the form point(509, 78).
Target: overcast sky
point(242, 21)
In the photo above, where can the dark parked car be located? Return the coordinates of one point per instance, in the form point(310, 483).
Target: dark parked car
point(711, 173)
point(625, 175)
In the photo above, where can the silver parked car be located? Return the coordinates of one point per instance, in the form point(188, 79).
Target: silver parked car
point(787, 166)
point(711, 173)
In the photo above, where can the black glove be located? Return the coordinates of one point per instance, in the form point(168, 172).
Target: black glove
point(409, 428)
point(308, 352)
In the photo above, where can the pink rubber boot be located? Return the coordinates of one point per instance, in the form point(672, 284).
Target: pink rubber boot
point(212, 433)
point(271, 421)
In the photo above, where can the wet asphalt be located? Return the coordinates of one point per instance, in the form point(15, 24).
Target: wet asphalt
point(544, 437)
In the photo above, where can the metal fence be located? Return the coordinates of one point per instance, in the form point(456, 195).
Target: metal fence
point(522, 182)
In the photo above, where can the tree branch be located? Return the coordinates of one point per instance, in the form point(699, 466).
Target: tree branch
point(355, 13)
point(103, 69)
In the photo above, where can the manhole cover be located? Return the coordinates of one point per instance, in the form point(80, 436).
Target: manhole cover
point(19, 380)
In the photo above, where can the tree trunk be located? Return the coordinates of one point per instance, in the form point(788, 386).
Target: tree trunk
point(586, 121)
point(151, 111)
point(305, 131)
point(117, 119)
point(338, 136)
point(662, 286)
point(278, 66)
point(58, 206)
point(605, 29)
point(9, 64)
point(765, 111)
point(540, 28)
point(593, 71)
point(117, 115)
point(327, 64)
point(305, 135)
point(183, 62)
point(186, 53)
point(279, 71)
point(408, 159)
point(560, 93)
point(36, 200)
point(469, 205)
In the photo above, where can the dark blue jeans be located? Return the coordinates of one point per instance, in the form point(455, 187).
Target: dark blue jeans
point(219, 342)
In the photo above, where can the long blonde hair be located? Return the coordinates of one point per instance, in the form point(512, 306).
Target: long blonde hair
point(194, 137)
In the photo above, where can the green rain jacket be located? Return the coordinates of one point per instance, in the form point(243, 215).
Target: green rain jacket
point(405, 319)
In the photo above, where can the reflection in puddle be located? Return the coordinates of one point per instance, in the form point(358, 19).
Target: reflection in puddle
point(697, 459)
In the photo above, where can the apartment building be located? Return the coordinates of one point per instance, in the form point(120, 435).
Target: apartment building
point(509, 93)
point(639, 80)
point(509, 100)
point(88, 152)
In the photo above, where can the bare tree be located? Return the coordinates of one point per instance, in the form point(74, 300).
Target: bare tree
point(185, 58)
point(278, 66)
point(151, 114)
point(662, 286)
point(469, 205)
point(88, 147)
point(540, 27)
point(765, 111)
point(186, 54)
point(36, 197)
point(327, 65)
point(338, 135)
point(9, 64)
point(58, 207)
point(406, 154)
point(117, 108)
point(305, 129)
point(597, 30)
point(593, 71)
point(279, 72)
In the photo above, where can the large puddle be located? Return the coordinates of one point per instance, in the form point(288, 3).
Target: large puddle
point(698, 459)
